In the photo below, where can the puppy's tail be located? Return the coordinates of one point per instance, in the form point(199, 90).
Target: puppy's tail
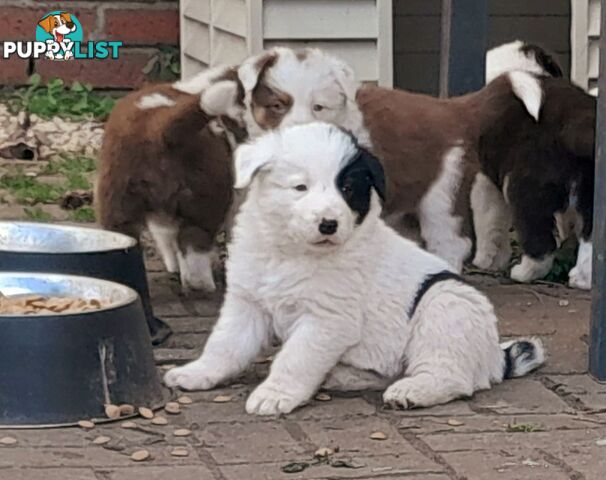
point(522, 356)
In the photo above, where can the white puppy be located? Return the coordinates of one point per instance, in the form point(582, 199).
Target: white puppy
point(355, 305)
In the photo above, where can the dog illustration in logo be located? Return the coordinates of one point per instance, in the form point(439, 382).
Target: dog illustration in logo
point(59, 25)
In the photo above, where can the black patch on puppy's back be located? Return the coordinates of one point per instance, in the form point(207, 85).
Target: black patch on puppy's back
point(355, 181)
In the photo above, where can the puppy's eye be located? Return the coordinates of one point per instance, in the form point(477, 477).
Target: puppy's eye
point(278, 107)
point(301, 188)
point(346, 189)
point(318, 108)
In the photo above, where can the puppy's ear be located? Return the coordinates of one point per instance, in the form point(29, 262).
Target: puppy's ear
point(377, 174)
point(223, 98)
point(47, 24)
point(249, 159)
point(345, 77)
point(252, 69)
point(67, 17)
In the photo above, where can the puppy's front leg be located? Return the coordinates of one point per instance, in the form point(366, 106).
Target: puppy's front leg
point(300, 367)
point(241, 332)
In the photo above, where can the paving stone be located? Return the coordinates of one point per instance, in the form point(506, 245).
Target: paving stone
point(92, 456)
point(249, 442)
point(352, 437)
point(65, 437)
point(47, 474)
point(386, 466)
point(501, 423)
point(186, 341)
point(335, 408)
point(513, 464)
point(169, 309)
point(175, 356)
point(148, 472)
point(193, 324)
point(525, 395)
point(452, 409)
point(591, 393)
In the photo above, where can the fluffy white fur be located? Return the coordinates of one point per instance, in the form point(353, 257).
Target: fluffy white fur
point(508, 57)
point(340, 308)
point(201, 81)
point(580, 275)
point(528, 89)
point(492, 221)
point(440, 228)
point(530, 269)
point(154, 100)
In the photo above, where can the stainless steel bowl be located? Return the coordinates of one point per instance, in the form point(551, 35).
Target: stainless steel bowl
point(50, 238)
point(58, 369)
point(43, 247)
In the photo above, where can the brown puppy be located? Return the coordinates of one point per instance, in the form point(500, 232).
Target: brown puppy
point(166, 164)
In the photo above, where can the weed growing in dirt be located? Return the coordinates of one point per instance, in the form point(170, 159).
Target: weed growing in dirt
point(83, 214)
point(28, 190)
point(36, 214)
point(77, 101)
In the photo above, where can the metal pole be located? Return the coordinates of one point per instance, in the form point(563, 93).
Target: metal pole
point(597, 340)
point(464, 38)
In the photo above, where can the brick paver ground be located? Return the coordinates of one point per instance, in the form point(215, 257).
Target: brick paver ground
point(550, 425)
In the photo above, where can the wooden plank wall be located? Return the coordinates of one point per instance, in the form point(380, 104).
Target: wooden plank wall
point(416, 31)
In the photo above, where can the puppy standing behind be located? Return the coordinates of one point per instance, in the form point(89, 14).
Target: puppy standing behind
point(163, 166)
point(355, 305)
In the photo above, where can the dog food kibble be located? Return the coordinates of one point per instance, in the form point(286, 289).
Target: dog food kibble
point(140, 456)
point(126, 410)
point(222, 399)
point(454, 423)
point(172, 407)
point(112, 411)
point(8, 441)
point(323, 397)
point(159, 420)
point(323, 452)
point(179, 452)
point(101, 440)
point(129, 425)
point(146, 412)
point(378, 436)
point(86, 424)
point(182, 432)
point(39, 305)
point(185, 400)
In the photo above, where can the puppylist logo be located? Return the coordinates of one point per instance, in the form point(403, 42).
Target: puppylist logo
point(59, 36)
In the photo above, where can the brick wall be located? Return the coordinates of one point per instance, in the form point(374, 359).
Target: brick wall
point(148, 28)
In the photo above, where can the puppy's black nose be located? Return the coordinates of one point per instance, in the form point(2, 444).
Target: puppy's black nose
point(328, 227)
point(69, 24)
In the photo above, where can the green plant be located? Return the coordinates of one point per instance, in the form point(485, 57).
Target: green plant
point(523, 427)
point(67, 164)
point(36, 214)
point(84, 214)
point(57, 99)
point(77, 181)
point(28, 190)
point(164, 66)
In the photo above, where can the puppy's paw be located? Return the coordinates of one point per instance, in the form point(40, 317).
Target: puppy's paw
point(411, 392)
point(483, 260)
point(271, 400)
point(190, 377)
point(577, 278)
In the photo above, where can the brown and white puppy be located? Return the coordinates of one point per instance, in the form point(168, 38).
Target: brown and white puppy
point(428, 146)
point(538, 175)
point(166, 164)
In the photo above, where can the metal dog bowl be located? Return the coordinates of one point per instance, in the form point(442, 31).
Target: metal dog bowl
point(43, 247)
point(58, 368)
